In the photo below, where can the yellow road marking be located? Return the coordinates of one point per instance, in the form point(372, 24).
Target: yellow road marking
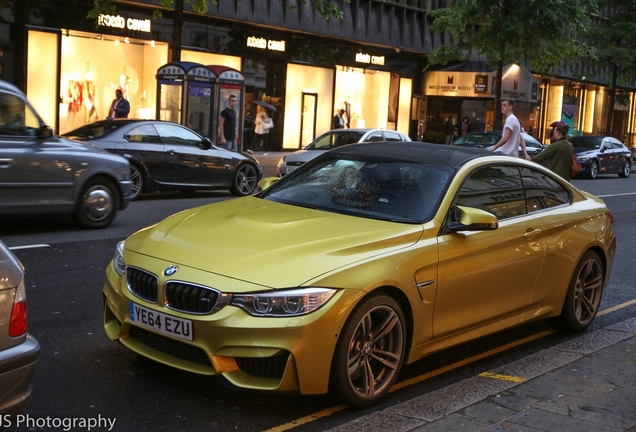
point(307, 419)
point(502, 377)
point(400, 385)
point(470, 360)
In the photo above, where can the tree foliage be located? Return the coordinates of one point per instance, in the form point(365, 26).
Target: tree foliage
point(538, 33)
point(613, 36)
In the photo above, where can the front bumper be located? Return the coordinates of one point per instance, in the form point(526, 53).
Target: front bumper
point(17, 365)
point(290, 354)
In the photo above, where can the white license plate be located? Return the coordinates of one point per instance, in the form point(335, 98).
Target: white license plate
point(166, 324)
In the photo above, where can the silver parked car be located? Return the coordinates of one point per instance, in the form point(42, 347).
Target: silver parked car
point(45, 174)
point(332, 139)
point(19, 351)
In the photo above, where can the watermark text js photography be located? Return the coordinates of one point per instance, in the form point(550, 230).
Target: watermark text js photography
point(59, 423)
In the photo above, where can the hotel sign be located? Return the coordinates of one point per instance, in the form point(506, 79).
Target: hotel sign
point(369, 59)
point(452, 83)
point(265, 44)
point(118, 21)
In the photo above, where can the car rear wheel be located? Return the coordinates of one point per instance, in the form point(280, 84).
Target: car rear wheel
point(593, 169)
point(584, 295)
point(627, 169)
point(98, 203)
point(245, 180)
point(369, 353)
point(137, 182)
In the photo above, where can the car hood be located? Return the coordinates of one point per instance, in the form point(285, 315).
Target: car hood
point(267, 243)
point(304, 155)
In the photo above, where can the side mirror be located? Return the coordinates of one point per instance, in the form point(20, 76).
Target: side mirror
point(206, 144)
point(267, 182)
point(44, 132)
point(473, 219)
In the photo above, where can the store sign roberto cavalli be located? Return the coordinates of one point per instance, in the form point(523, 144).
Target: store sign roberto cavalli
point(450, 83)
point(120, 22)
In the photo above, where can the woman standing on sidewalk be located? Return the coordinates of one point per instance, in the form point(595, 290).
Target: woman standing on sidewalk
point(262, 125)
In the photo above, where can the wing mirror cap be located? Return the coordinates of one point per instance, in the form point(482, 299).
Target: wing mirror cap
point(473, 219)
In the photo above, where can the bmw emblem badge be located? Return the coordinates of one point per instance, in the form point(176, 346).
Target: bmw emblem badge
point(171, 270)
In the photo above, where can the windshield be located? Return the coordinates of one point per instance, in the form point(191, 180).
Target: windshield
point(377, 188)
point(335, 139)
point(94, 130)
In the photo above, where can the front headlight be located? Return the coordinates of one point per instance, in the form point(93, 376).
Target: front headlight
point(118, 259)
point(582, 158)
point(299, 301)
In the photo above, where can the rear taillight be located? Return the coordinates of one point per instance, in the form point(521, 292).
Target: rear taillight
point(18, 322)
point(610, 216)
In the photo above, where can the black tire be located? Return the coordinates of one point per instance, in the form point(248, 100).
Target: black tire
point(593, 169)
point(584, 295)
point(245, 180)
point(137, 177)
point(627, 169)
point(369, 353)
point(98, 203)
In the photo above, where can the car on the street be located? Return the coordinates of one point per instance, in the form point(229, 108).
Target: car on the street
point(333, 139)
point(367, 257)
point(166, 156)
point(19, 351)
point(488, 139)
point(43, 174)
point(602, 155)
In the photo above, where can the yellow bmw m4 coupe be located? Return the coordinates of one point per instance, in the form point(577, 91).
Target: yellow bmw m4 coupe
point(363, 259)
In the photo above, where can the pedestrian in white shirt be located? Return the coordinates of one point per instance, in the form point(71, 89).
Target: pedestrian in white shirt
point(511, 137)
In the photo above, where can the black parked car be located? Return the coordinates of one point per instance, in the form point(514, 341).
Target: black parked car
point(602, 155)
point(167, 156)
point(488, 139)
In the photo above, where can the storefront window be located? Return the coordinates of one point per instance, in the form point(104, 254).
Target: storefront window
point(94, 66)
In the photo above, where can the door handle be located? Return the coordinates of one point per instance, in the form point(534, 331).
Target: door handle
point(5, 162)
point(170, 152)
point(532, 232)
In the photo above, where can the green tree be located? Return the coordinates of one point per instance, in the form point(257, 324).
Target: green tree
point(613, 35)
point(541, 33)
point(325, 8)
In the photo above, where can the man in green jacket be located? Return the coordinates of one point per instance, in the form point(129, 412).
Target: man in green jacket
point(559, 153)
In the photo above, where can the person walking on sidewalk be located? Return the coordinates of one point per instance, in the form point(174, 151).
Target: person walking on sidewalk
point(227, 125)
point(262, 125)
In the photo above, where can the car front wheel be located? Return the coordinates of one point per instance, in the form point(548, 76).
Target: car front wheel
point(584, 295)
point(245, 180)
point(98, 203)
point(627, 169)
point(369, 353)
point(593, 169)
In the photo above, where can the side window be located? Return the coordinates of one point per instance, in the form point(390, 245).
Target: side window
point(495, 189)
point(376, 137)
point(16, 117)
point(178, 136)
point(392, 136)
point(144, 134)
point(542, 192)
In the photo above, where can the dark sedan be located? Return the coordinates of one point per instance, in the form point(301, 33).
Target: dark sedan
point(167, 156)
point(602, 155)
point(489, 139)
point(45, 174)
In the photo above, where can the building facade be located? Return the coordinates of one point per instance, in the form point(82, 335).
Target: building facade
point(371, 64)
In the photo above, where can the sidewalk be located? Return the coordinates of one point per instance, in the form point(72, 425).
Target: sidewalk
point(585, 385)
